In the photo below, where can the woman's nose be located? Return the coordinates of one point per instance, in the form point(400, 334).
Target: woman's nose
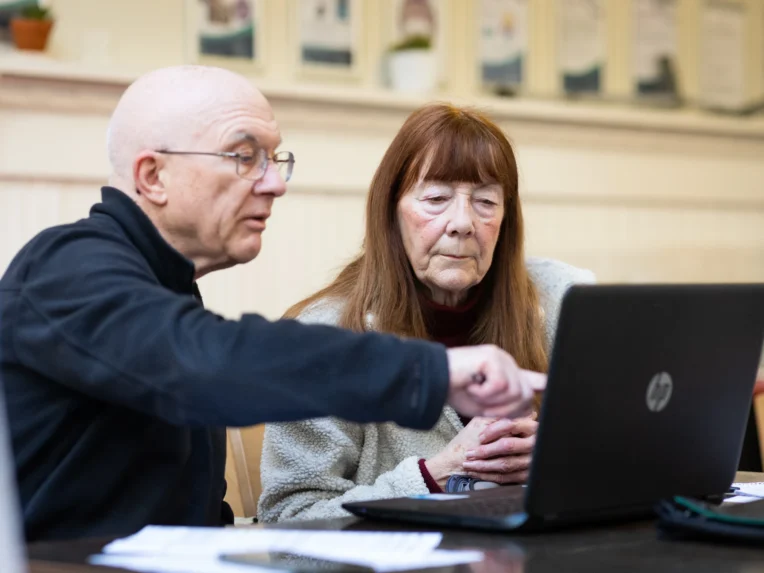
point(461, 222)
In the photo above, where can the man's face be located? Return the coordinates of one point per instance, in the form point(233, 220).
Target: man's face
point(218, 215)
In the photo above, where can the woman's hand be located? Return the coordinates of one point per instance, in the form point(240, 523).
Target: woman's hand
point(449, 460)
point(504, 453)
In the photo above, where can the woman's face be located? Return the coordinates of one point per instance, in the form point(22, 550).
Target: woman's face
point(450, 231)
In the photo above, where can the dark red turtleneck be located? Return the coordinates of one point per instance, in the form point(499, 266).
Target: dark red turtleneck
point(451, 326)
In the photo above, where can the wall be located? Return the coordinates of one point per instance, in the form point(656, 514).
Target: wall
point(633, 194)
point(631, 201)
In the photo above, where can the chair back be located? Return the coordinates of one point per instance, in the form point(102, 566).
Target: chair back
point(242, 470)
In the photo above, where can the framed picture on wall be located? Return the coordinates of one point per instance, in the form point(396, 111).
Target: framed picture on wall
point(328, 37)
point(722, 55)
point(582, 45)
point(227, 33)
point(655, 49)
point(503, 44)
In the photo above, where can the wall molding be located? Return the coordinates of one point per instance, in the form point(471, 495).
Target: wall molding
point(561, 145)
point(58, 95)
point(529, 198)
point(41, 83)
point(63, 181)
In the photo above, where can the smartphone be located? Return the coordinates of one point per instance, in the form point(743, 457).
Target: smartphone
point(293, 562)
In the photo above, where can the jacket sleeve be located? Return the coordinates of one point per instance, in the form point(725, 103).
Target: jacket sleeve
point(93, 317)
point(307, 471)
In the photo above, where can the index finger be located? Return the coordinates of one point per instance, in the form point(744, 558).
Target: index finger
point(536, 380)
point(501, 448)
point(525, 427)
point(496, 430)
point(521, 427)
point(492, 392)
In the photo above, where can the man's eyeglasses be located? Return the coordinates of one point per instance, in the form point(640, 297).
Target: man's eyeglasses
point(250, 166)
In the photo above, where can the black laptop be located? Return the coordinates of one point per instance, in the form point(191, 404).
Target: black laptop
point(648, 396)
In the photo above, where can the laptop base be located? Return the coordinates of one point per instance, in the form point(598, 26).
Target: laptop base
point(468, 510)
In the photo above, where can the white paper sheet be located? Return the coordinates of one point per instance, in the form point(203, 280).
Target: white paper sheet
point(173, 564)
point(439, 496)
point(753, 492)
point(171, 549)
point(177, 564)
point(184, 541)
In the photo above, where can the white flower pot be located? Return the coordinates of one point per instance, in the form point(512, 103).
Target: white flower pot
point(412, 71)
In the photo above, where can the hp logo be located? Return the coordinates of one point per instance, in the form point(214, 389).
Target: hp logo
point(659, 392)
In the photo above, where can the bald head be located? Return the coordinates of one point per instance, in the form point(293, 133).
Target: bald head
point(172, 108)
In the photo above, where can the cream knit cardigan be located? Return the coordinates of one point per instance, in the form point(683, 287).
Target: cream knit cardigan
point(310, 468)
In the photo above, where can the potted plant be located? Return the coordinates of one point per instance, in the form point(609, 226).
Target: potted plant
point(412, 66)
point(31, 28)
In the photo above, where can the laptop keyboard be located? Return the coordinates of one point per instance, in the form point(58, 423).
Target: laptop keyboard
point(491, 507)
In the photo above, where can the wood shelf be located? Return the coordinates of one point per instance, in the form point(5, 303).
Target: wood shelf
point(62, 83)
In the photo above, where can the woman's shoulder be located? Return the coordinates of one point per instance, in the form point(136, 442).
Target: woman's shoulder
point(552, 276)
point(328, 311)
point(552, 279)
point(322, 311)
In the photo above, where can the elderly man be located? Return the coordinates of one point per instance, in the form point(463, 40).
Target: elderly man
point(120, 385)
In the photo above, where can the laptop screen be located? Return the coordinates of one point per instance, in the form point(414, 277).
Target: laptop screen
point(11, 537)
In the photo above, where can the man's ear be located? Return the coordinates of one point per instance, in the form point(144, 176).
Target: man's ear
point(148, 177)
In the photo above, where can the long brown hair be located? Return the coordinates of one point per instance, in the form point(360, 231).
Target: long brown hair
point(443, 143)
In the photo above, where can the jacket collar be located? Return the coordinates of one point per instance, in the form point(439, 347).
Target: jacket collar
point(173, 270)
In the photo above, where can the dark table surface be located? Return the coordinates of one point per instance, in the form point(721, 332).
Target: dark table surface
point(624, 548)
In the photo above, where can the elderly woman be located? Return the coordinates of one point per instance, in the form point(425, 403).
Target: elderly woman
point(443, 259)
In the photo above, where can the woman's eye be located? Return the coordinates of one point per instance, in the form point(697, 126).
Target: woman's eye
point(436, 199)
point(488, 202)
point(246, 159)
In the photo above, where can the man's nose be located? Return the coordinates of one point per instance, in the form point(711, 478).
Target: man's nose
point(272, 183)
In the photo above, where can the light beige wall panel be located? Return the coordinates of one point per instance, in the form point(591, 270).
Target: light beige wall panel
point(308, 240)
point(38, 144)
point(639, 244)
point(132, 34)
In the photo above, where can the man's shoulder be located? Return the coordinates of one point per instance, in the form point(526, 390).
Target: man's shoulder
point(85, 241)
